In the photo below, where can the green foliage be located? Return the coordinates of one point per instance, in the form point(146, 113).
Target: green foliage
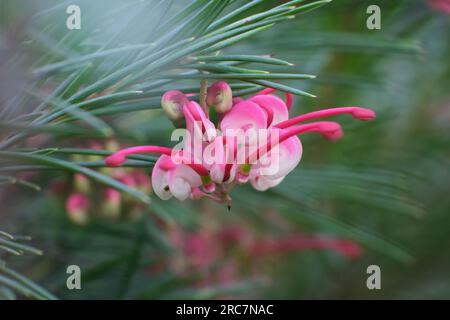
point(12, 282)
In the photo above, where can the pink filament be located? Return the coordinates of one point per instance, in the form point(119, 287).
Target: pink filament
point(357, 112)
point(119, 157)
point(329, 130)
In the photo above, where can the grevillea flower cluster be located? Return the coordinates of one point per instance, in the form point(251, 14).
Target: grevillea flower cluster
point(253, 140)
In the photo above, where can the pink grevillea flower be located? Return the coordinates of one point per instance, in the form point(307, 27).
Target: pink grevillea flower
point(266, 160)
point(440, 5)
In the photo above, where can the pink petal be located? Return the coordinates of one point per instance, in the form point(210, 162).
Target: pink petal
point(262, 183)
point(160, 181)
point(273, 167)
point(278, 107)
point(282, 159)
point(181, 181)
point(198, 114)
point(244, 115)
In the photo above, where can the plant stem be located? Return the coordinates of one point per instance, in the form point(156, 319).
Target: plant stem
point(202, 97)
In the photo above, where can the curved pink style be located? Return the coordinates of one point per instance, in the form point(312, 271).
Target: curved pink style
point(329, 130)
point(357, 112)
point(119, 157)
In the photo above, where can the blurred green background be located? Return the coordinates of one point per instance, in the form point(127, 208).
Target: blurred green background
point(384, 186)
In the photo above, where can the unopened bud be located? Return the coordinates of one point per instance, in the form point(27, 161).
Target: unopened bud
point(219, 96)
point(112, 145)
point(112, 203)
point(81, 183)
point(172, 103)
point(77, 207)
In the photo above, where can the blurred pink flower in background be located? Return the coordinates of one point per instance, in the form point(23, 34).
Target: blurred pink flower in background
point(440, 5)
point(301, 242)
point(77, 206)
point(79, 193)
point(225, 253)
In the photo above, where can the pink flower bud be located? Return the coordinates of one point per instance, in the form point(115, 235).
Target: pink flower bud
point(172, 103)
point(81, 183)
point(220, 97)
point(112, 203)
point(77, 206)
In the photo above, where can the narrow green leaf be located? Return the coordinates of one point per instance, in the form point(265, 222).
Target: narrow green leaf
point(14, 180)
point(88, 57)
point(19, 247)
point(202, 43)
point(227, 18)
point(255, 28)
point(244, 58)
point(28, 283)
point(252, 19)
point(239, 76)
point(17, 286)
point(307, 7)
point(182, 14)
point(102, 84)
point(281, 87)
point(221, 68)
point(58, 163)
